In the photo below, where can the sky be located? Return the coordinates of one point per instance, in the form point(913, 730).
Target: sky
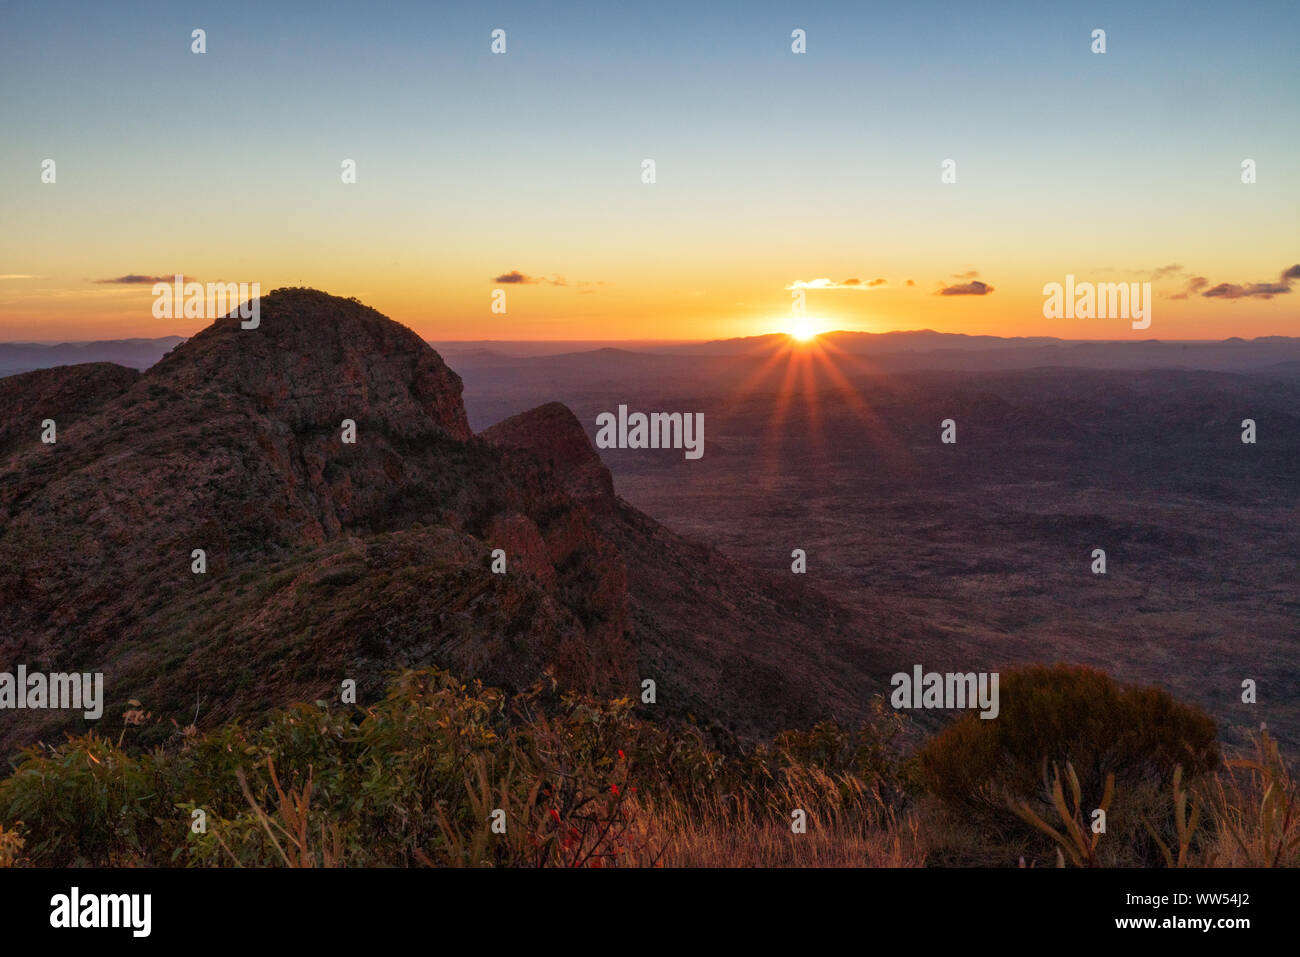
point(523, 171)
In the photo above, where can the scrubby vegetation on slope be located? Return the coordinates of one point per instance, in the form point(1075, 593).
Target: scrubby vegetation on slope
point(420, 777)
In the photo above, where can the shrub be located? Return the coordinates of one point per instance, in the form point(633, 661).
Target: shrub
point(1073, 715)
point(86, 802)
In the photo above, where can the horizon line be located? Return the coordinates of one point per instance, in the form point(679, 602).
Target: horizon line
point(50, 343)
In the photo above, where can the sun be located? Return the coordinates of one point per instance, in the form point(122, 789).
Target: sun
point(802, 330)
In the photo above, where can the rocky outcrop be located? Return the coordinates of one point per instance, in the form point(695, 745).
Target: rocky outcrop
point(63, 393)
point(748, 650)
point(329, 560)
point(324, 560)
point(555, 438)
point(315, 359)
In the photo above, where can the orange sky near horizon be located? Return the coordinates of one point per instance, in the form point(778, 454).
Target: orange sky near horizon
point(48, 310)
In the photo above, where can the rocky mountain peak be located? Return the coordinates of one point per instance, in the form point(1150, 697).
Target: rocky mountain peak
point(552, 434)
point(315, 358)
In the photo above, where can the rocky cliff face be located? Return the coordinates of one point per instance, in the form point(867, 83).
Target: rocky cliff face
point(325, 560)
point(554, 438)
point(328, 560)
point(731, 645)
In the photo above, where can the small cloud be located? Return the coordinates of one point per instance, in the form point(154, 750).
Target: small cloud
point(876, 282)
point(17, 276)
point(973, 288)
point(134, 279)
point(515, 277)
point(824, 283)
point(910, 282)
point(1255, 290)
point(973, 274)
point(1173, 270)
point(1195, 284)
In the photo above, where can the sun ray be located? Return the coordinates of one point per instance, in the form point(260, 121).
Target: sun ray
point(772, 452)
point(811, 378)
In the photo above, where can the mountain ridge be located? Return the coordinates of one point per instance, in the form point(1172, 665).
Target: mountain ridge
point(918, 348)
point(328, 561)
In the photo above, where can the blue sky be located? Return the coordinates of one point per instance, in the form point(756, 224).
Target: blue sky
point(772, 166)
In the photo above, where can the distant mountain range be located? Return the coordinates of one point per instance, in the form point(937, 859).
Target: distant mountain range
point(18, 357)
point(921, 349)
point(945, 350)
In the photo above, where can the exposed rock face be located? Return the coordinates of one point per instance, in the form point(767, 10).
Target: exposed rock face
point(553, 435)
point(318, 359)
point(325, 560)
point(752, 651)
point(63, 393)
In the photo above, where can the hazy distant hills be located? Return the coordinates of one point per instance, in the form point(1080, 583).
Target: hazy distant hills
point(18, 357)
point(938, 350)
point(923, 349)
point(944, 350)
point(499, 384)
point(926, 349)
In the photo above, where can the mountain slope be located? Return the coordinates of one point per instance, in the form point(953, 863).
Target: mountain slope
point(328, 561)
point(752, 650)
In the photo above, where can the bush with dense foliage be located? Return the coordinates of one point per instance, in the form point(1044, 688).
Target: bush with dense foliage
point(1055, 719)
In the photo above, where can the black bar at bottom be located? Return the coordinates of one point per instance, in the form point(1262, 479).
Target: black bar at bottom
point(917, 907)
